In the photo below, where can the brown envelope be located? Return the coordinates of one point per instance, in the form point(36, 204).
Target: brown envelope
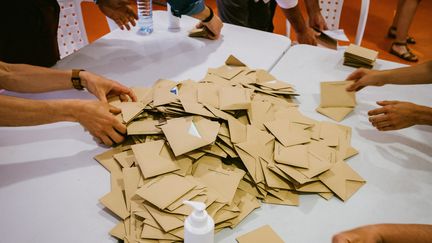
point(227, 72)
point(261, 112)
point(119, 231)
point(189, 133)
point(164, 190)
point(115, 202)
point(125, 159)
point(246, 203)
point(342, 180)
point(272, 179)
point(260, 235)
point(150, 232)
point(362, 52)
point(314, 186)
point(164, 92)
point(329, 133)
point(144, 127)
point(144, 95)
point(199, 32)
point(317, 165)
point(151, 163)
point(294, 173)
point(282, 197)
point(166, 221)
point(334, 94)
point(263, 76)
point(249, 154)
point(296, 155)
point(288, 133)
point(335, 113)
point(130, 110)
point(234, 98)
point(131, 177)
point(196, 108)
point(208, 94)
point(223, 182)
point(233, 61)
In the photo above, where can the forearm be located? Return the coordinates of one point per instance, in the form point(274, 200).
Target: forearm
point(31, 79)
point(401, 233)
point(24, 112)
point(418, 74)
point(424, 115)
point(295, 18)
point(312, 7)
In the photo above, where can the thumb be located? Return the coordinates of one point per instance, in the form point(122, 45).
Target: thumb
point(114, 110)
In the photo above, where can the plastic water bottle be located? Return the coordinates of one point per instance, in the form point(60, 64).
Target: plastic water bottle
point(173, 21)
point(145, 17)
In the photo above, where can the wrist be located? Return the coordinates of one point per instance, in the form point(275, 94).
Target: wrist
point(423, 115)
point(64, 110)
point(204, 15)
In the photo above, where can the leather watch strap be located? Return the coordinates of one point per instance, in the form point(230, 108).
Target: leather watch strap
point(76, 80)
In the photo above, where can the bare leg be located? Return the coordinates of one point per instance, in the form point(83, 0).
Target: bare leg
point(397, 14)
point(403, 18)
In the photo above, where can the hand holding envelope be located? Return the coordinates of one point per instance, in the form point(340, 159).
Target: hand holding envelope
point(336, 102)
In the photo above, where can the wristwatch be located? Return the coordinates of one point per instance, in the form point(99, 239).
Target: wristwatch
point(206, 20)
point(76, 79)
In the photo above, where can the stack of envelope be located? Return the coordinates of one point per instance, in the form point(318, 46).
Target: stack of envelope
point(336, 102)
point(357, 56)
point(233, 140)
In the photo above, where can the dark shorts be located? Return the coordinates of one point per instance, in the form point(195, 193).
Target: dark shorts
point(248, 13)
point(28, 32)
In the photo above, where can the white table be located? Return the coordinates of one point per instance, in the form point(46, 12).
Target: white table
point(49, 183)
point(397, 165)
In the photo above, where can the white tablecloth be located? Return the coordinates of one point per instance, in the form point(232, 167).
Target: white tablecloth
point(49, 183)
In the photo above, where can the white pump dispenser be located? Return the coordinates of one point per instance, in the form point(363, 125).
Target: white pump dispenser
point(199, 226)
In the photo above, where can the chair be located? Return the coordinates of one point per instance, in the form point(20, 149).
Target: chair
point(331, 10)
point(71, 31)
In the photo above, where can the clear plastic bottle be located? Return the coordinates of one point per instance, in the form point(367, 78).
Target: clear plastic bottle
point(145, 17)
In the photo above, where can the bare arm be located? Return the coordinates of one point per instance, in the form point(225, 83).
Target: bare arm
point(389, 233)
point(32, 79)
point(95, 116)
point(305, 35)
point(418, 74)
point(316, 19)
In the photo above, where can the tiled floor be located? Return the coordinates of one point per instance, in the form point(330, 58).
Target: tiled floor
point(379, 19)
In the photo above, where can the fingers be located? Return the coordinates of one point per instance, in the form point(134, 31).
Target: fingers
point(115, 136)
point(387, 102)
point(378, 111)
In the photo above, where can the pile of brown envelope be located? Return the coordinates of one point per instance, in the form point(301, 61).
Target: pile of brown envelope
point(232, 140)
point(357, 56)
point(336, 102)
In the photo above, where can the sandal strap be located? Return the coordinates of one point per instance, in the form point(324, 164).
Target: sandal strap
point(400, 43)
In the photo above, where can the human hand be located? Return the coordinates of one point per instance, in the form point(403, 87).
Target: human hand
point(214, 27)
point(120, 11)
point(316, 21)
point(103, 88)
point(394, 115)
point(98, 118)
point(364, 77)
point(365, 234)
point(308, 36)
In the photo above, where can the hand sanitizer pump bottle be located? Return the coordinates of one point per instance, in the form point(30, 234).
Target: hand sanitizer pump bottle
point(199, 226)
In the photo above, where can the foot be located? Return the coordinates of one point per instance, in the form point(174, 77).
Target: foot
point(392, 34)
point(400, 49)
